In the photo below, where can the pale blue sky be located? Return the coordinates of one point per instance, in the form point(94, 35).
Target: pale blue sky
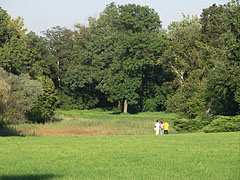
point(40, 15)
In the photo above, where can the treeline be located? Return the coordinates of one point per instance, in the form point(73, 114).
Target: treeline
point(126, 61)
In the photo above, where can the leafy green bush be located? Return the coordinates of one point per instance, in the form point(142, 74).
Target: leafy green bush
point(17, 95)
point(189, 125)
point(223, 124)
point(186, 125)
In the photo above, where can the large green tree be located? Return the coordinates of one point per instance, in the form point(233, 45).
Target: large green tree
point(15, 55)
point(190, 60)
point(61, 44)
point(223, 89)
point(136, 32)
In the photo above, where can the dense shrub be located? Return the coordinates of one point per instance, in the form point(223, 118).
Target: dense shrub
point(223, 124)
point(186, 125)
point(17, 95)
point(189, 125)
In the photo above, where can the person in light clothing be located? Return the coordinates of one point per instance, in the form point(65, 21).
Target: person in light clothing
point(157, 127)
point(161, 127)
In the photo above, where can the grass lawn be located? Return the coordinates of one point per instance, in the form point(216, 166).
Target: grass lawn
point(175, 156)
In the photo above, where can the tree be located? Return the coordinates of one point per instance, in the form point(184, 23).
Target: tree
point(4, 20)
point(222, 29)
point(17, 95)
point(44, 64)
point(61, 45)
point(45, 106)
point(185, 52)
point(231, 38)
point(223, 89)
point(190, 60)
point(186, 23)
point(135, 28)
point(212, 26)
point(15, 56)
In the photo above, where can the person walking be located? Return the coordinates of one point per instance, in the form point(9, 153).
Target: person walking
point(161, 127)
point(165, 127)
point(157, 127)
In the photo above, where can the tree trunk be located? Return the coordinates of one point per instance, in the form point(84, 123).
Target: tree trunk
point(119, 106)
point(125, 106)
point(59, 79)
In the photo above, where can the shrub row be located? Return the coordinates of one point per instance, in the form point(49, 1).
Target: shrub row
point(208, 124)
point(223, 124)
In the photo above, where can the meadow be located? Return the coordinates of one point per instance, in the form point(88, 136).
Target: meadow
point(95, 122)
point(167, 157)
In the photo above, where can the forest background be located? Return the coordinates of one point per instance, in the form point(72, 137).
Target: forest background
point(126, 62)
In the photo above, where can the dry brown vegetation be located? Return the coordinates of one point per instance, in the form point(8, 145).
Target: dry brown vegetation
point(70, 131)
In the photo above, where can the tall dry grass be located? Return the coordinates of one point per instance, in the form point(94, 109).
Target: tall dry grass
point(95, 123)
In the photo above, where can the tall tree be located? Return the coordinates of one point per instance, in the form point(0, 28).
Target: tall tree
point(135, 30)
point(212, 26)
point(15, 55)
point(4, 21)
point(223, 89)
point(61, 45)
point(231, 38)
point(190, 60)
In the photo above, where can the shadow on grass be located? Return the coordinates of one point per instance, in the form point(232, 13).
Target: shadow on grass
point(28, 177)
point(115, 113)
point(7, 131)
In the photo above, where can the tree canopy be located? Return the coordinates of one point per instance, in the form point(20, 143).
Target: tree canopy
point(124, 59)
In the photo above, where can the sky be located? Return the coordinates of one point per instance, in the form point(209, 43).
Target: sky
point(40, 15)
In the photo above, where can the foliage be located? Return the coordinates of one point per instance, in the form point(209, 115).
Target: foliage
point(222, 88)
point(150, 105)
point(189, 100)
point(124, 60)
point(4, 20)
point(60, 44)
point(186, 125)
point(136, 48)
point(17, 95)
point(223, 124)
point(187, 23)
point(15, 56)
point(44, 108)
point(212, 26)
point(44, 62)
point(190, 125)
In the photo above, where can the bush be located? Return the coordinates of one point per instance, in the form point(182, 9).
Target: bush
point(17, 95)
point(223, 124)
point(186, 125)
point(189, 125)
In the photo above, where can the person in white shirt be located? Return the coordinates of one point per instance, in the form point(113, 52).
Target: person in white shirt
point(157, 127)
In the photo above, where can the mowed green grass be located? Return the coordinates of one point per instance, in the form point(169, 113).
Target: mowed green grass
point(175, 156)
